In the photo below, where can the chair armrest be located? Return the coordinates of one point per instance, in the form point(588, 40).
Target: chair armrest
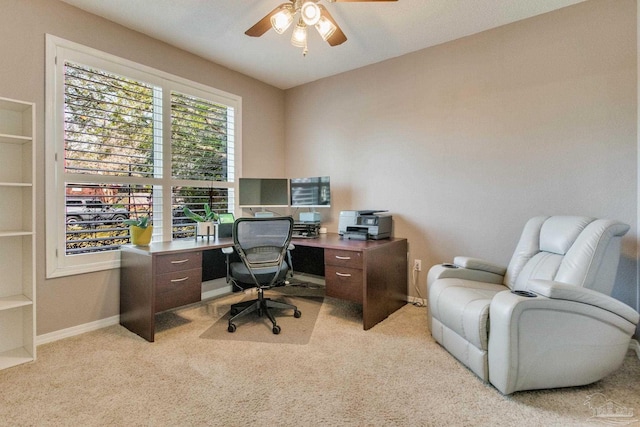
point(228, 250)
point(467, 269)
point(559, 290)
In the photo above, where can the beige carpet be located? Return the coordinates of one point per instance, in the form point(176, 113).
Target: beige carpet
point(391, 375)
point(258, 329)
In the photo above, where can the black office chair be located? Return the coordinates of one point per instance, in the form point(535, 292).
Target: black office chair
point(262, 245)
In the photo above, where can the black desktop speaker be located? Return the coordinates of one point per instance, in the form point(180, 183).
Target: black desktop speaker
point(225, 229)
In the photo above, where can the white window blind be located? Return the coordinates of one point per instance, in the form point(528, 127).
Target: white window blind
point(118, 128)
point(108, 121)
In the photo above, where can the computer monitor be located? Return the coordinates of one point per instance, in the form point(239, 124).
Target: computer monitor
point(310, 192)
point(263, 192)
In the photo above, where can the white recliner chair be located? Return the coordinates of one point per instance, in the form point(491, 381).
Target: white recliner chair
point(545, 321)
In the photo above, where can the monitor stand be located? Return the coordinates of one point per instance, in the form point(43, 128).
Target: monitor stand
point(309, 216)
point(263, 214)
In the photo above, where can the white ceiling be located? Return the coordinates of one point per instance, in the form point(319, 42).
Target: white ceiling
point(214, 29)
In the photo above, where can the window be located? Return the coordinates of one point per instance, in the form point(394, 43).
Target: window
point(123, 141)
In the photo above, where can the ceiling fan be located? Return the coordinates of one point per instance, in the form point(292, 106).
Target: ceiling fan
point(312, 14)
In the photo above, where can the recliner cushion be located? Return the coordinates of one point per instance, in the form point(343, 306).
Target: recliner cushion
point(543, 265)
point(463, 306)
point(559, 232)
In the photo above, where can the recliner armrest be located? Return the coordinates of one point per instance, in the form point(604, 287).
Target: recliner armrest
point(445, 271)
point(479, 264)
point(558, 290)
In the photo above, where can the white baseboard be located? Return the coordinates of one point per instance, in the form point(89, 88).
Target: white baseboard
point(635, 346)
point(77, 330)
point(110, 321)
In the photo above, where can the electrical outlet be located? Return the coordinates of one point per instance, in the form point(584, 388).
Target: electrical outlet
point(417, 265)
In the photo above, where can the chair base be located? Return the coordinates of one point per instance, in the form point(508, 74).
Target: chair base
point(262, 305)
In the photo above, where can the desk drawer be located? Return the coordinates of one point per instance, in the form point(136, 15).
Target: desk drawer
point(178, 262)
point(344, 283)
point(340, 258)
point(178, 288)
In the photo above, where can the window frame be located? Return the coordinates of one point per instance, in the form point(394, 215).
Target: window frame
point(59, 50)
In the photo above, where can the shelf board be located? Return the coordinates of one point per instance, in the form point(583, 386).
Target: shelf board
point(14, 139)
point(14, 357)
point(15, 105)
point(16, 184)
point(15, 233)
point(14, 301)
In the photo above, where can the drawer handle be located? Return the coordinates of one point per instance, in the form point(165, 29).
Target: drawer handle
point(343, 257)
point(343, 274)
point(182, 261)
point(179, 280)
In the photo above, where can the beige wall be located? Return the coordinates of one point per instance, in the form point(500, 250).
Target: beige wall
point(461, 142)
point(465, 141)
point(75, 300)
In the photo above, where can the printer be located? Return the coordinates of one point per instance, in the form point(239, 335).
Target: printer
point(363, 225)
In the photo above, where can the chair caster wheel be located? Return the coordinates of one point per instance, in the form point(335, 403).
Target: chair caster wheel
point(276, 330)
point(231, 328)
point(297, 314)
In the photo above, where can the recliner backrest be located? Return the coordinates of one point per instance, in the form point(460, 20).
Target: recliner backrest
point(575, 250)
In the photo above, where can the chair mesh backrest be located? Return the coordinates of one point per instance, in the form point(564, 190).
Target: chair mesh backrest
point(580, 251)
point(262, 242)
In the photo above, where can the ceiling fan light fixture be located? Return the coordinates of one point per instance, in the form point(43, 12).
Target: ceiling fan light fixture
point(299, 35)
point(283, 19)
point(325, 28)
point(310, 13)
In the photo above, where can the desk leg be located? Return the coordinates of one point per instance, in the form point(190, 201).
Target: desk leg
point(385, 282)
point(137, 296)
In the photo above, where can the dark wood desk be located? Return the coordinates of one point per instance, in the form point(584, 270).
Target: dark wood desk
point(370, 272)
point(158, 277)
point(167, 275)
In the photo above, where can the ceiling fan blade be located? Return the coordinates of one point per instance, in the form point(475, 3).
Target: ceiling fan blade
point(263, 25)
point(338, 36)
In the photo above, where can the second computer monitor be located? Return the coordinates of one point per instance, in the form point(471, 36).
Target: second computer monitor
point(310, 192)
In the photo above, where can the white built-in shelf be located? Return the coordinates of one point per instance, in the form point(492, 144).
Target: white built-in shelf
point(16, 184)
point(14, 301)
point(15, 233)
point(14, 139)
point(17, 240)
point(15, 356)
